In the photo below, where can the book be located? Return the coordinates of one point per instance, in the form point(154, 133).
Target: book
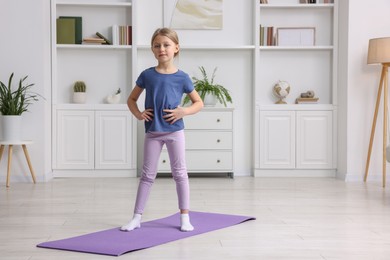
point(78, 27)
point(66, 31)
point(306, 100)
point(122, 34)
point(104, 38)
point(92, 39)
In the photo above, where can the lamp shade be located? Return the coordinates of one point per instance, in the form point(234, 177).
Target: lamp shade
point(379, 50)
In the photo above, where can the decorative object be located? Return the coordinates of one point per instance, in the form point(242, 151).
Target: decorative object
point(307, 98)
point(193, 14)
point(114, 99)
point(207, 87)
point(379, 53)
point(79, 92)
point(308, 94)
point(295, 36)
point(13, 103)
point(281, 89)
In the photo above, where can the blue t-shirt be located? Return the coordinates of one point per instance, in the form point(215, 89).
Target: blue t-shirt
point(163, 91)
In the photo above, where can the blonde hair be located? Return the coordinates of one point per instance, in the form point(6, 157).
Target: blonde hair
point(167, 32)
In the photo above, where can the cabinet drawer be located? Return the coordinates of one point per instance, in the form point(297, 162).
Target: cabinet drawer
point(210, 120)
point(208, 140)
point(201, 161)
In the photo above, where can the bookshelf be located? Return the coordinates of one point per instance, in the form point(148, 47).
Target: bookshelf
point(296, 139)
point(83, 136)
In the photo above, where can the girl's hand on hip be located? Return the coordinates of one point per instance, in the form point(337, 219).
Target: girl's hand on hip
point(173, 114)
point(146, 115)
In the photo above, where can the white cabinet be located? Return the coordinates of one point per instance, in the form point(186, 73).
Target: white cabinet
point(296, 140)
point(209, 142)
point(96, 137)
point(93, 140)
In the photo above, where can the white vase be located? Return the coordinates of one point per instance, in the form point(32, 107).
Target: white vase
point(209, 100)
point(11, 128)
point(79, 97)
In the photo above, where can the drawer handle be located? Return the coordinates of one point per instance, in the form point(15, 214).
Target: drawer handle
point(218, 120)
point(218, 140)
point(218, 161)
point(164, 161)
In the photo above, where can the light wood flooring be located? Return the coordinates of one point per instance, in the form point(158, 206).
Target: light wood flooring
point(297, 218)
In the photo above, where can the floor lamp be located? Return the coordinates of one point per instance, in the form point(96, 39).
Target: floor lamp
point(379, 53)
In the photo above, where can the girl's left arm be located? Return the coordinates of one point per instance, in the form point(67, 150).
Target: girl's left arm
point(197, 103)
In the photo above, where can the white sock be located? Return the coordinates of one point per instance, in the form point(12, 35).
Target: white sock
point(133, 224)
point(185, 223)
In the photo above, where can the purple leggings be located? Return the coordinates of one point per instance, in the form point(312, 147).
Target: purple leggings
point(154, 142)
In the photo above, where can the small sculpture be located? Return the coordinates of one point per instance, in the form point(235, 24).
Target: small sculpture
point(114, 99)
point(308, 94)
point(281, 90)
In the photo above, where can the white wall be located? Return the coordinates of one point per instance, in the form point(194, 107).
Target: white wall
point(25, 50)
point(366, 20)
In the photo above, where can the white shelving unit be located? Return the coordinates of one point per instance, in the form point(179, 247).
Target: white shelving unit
point(96, 138)
point(291, 137)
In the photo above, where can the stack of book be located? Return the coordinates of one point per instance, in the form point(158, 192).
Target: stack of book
point(307, 100)
point(94, 40)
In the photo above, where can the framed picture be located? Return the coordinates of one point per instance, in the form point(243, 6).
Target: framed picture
point(193, 14)
point(295, 36)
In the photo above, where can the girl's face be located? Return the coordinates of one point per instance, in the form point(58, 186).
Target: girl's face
point(164, 49)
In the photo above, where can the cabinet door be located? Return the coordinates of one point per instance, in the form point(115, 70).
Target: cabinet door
point(314, 139)
point(277, 135)
point(113, 140)
point(75, 139)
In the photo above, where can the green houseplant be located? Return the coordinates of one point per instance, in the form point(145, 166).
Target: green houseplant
point(79, 92)
point(13, 103)
point(206, 87)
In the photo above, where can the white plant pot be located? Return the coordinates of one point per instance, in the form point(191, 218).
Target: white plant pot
point(11, 128)
point(79, 97)
point(210, 100)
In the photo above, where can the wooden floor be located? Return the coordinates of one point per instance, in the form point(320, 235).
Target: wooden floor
point(297, 218)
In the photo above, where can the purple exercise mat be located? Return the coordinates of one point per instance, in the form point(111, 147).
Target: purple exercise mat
point(156, 232)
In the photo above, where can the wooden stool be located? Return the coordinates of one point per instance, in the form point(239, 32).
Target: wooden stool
point(10, 145)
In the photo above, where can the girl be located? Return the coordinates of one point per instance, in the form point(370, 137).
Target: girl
point(165, 86)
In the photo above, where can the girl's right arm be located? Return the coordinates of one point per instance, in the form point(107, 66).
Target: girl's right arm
point(147, 114)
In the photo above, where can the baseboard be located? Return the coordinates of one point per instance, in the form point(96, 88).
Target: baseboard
point(94, 173)
point(294, 173)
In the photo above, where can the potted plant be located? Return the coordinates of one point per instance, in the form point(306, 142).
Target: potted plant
point(207, 89)
point(79, 92)
point(13, 103)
